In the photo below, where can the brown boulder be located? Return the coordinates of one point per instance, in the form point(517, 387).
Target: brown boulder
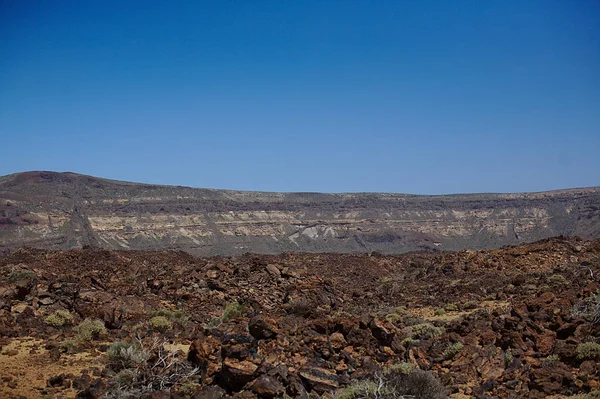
point(235, 374)
point(267, 387)
point(261, 328)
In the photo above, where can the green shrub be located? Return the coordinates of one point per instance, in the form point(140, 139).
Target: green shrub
point(595, 394)
point(557, 279)
point(588, 350)
point(451, 307)
point(508, 357)
point(125, 377)
point(550, 360)
point(232, 311)
point(358, 390)
point(59, 318)
point(452, 350)
point(393, 318)
point(67, 346)
point(176, 316)
point(23, 274)
point(90, 329)
point(126, 355)
point(588, 308)
point(397, 382)
point(160, 323)
point(404, 368)
point(439, 312)
point(426, 331)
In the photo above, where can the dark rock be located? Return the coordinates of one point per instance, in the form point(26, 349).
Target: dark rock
point(319, 379)
point(260, 328)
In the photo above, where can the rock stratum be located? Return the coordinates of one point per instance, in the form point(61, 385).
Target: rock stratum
point(66, 210)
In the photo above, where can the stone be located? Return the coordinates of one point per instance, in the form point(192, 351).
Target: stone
point(267, 387)
point(319, 379)
point(236, 373)
point(273, 270)
point(261, 328)
point(337, 341)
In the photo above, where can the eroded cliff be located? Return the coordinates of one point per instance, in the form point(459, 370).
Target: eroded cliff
point(66, 210)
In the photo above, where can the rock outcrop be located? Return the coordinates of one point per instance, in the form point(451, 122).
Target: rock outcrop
point(66, 210)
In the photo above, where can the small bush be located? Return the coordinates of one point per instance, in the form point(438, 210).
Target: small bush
point(59, 318)
point(67, 346)
point(550, 360)
point(426, 331)
point(403, 368)
point(557, 279)
point(358, 390)
point(452, 350)
point(588, 350)
point(418, 384)
point(90, 329)
point(588, 308)
point(508, 357)
point(22, 274)
point(595, 394)
point(232, 311)
point(176, 316)
point(439, 312)
point(397, 382)
point(451, 307)
point(126, 355)
point(393, 318)
point(160, 323)
point(125, 377)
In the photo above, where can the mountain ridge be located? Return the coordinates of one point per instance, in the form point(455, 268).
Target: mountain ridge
point(61, 210)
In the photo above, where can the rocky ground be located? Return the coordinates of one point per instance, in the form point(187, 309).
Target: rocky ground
point(509, 323)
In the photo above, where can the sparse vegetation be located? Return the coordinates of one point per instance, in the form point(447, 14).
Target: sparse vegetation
point(439, 312)
point(550, 360)
point(452, 350)
point(126, 355)
point(160, 323)
point(451, 307)
point(557, 279)
point(232, 311)
point(67, 346)
point(22, 274)
point(426, 331)
point(588, 308)
point(358, 390)
point(175, 316)
point(595, 394)
point(404, 368)
point(59, 318)
point(588, 350)
point(90, 329)
point(136, 375)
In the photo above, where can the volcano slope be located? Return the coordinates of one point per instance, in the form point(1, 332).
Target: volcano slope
point(514, 322)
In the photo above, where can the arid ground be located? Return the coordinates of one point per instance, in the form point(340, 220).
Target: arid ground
point(516, 322)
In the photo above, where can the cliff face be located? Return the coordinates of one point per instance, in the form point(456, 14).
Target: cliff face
point(66, 210)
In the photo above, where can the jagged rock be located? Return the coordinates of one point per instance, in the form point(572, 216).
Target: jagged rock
point(267, 387)
point(260, 328)
point(235, 374)
point(337, 341)
point(273, 270)
point(319, 379)
point(381, 332)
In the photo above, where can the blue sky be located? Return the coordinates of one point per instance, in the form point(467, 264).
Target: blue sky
point(422, 97)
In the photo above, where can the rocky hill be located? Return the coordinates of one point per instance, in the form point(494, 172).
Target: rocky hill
point(66, 210)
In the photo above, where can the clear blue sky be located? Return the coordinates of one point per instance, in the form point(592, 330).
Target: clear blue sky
point(421, 97)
